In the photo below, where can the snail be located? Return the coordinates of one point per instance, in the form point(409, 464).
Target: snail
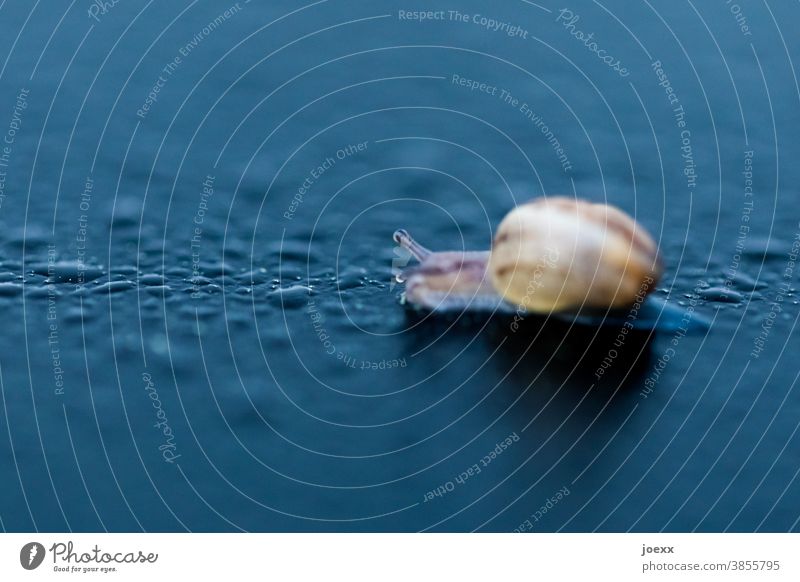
point(570, 259)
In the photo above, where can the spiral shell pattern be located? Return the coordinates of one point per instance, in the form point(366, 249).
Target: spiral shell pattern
point(562, 254)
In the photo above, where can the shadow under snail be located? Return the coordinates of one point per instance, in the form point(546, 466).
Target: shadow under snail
point(557, 257)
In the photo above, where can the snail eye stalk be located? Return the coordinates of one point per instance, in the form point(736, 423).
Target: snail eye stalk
point(404, 239)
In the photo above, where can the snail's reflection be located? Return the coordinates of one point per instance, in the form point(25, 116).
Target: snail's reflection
point(571, 370)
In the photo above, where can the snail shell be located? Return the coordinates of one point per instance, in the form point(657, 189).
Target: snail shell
point(561, 254)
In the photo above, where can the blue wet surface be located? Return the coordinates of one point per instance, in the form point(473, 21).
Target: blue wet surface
point(201, 330)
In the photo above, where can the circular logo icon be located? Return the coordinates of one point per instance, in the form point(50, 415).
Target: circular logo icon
point(31, 555)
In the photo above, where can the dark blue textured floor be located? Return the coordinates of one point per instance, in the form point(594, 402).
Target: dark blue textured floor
point(200, 326)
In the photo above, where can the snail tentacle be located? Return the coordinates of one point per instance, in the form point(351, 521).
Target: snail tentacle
point(405, 240)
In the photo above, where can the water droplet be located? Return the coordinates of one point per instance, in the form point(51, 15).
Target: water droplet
point(721, 295)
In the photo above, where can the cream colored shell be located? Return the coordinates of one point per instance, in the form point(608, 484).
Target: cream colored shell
point(560, 254)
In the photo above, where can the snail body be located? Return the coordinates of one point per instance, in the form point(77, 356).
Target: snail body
point(552, 256)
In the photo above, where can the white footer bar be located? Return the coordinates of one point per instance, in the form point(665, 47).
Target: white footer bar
point(400, 557)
